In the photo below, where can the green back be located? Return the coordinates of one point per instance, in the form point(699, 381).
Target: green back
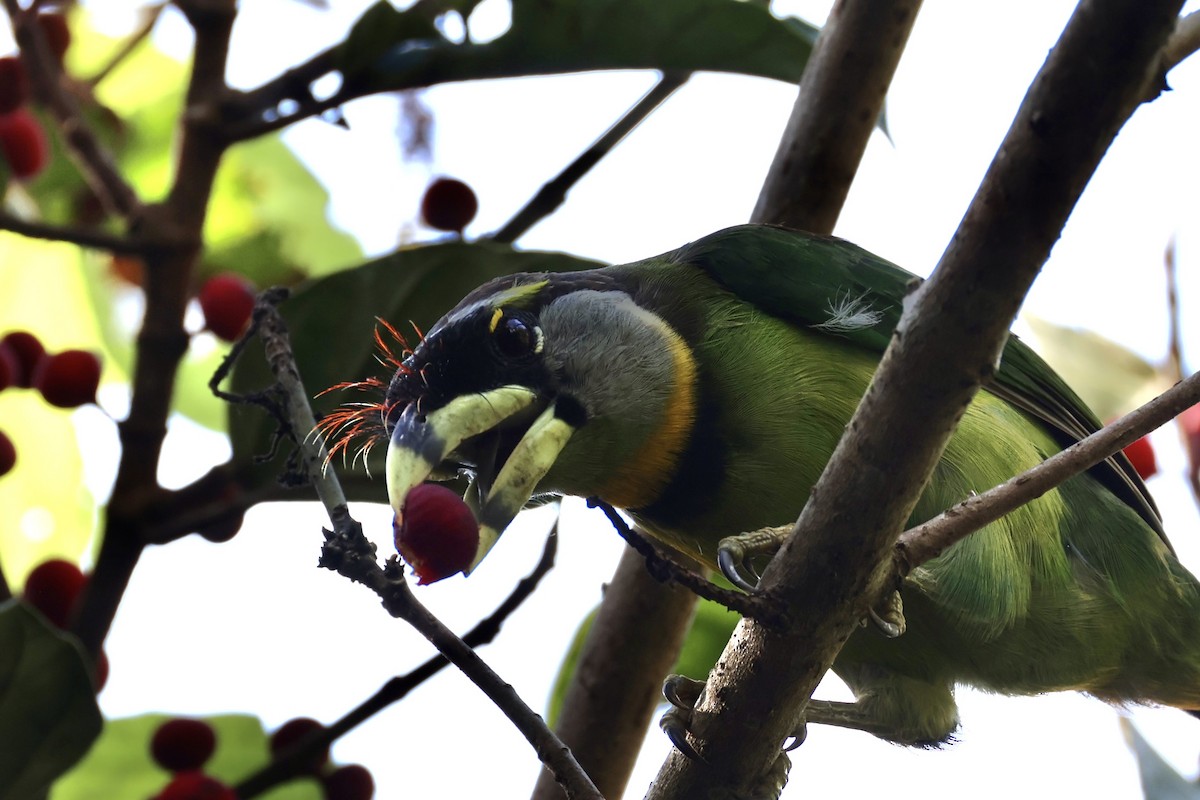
point(843, 290)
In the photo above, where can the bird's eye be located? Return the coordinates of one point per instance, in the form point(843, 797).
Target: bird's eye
point(516, 337)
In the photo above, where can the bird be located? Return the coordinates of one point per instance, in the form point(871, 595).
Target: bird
point(703, 390)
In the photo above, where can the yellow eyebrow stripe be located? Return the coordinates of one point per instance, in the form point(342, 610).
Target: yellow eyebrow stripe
point(497, 315)
point(640, 480)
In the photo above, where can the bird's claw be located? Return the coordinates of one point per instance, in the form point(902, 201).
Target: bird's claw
point(683, 694)
point(797, 738)
point(735, 552)
point(890, 618)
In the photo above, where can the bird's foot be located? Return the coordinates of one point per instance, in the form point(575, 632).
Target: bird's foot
point(734, 554)
point(889, 617)
point(684, 694)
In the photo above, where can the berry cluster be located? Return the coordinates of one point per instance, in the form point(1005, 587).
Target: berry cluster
point(67, 379)
point(22, 140)
point(183, 746)
point(348, 782)
point(53, 588)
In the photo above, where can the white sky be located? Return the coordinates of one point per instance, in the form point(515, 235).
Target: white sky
point(253, 626)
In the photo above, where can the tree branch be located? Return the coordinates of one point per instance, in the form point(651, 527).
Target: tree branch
point(838, 558)
point(84, 237)
point(841, 98)
point(554, 192)
point(929, 539)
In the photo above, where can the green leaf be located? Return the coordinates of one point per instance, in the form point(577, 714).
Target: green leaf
point(332, 322)
point(711, 628)
point(48, 712)
point(268, 218)
point(120, 764)
point(391, 50)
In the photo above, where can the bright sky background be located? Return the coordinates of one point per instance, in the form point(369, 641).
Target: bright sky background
point(253, 626)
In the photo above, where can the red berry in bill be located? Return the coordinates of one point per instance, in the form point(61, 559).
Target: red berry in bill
point(8, 454)
point(351, 782)
point(68, 379)
point(53, 587)
point(181, 744)
point(227, 301)
point(291, 732)
point(195, 786)
point(28, 352)
point(448, 205)
point(1141, 455)
point(23, 144)
point(438, 535)
point(14, 84)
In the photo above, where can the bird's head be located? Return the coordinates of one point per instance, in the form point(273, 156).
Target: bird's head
point(541, 383)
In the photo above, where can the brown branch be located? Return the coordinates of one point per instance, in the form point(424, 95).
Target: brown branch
point(293, 762)
point(150, 15)
point(172, 231)
point(841, 98)
point(553, 193)
point(84, 237)
point(1183, 42)
point(610, 699)
point(94, 161)
point(947, 342)
point(927, 540)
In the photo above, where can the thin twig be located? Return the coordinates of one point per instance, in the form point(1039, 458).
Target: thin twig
point(929, 539)
point(84, 237)
point(348, 552)
point(1174, 336)
point(150, 15)
point(291, 763)
point(663, 569)
point(553, 193)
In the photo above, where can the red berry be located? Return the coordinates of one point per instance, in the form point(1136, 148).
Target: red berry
point(195, 786)
point(68, 379)
point(23, 143)
point(180, 745)
point(448, 205)
point(438, 535)
point(8, 454)
point(1141, 455)
point(227, 301)
point(53, 587)
point(292, 732)
point(351, 782)
point(14, 84)
point(57, 32)
point(27, 351)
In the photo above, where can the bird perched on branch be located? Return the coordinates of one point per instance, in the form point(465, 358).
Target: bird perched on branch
point(704, 390)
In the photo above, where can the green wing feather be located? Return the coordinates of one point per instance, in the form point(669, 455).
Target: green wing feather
point(827, 283)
